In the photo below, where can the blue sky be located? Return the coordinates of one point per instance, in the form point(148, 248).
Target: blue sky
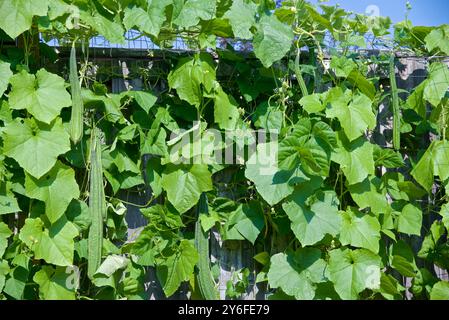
point(424, 12)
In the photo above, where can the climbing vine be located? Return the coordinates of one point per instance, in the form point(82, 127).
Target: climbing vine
point(331, 211)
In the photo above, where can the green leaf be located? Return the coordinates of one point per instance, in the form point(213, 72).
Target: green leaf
point(15, 285)
point(163, 214)
point(433, 162)
point(189, 75)
point(353, 111)
point(43, 95)
point(56, 188)
point(150, 20)
point(55, 245)
point(272, 183)
point(16, 16)
point(387, 158)
point(431, 248)
point(185, 183)
point(242, 16)
point(272, 41)
point(360, 230)
point(444, 212)
point(312, 103)
point(438, 83)
point(154, 175)
point(309, 145)
point(440, 291)
point(5, 233)
point(342, 66)
point(226, 113)
point(366, 87)
point(4, 270)
point(154, 142)
point(297, 274)
point(423, 171)
point(313, 217)
point(177, 268)
point(54, 283)
point(410, 220)
point(194, 10)
point(112, 30)
point(402, 259)
point(78, 213)
point(355, 159)
point(399, 189)
point(268, 117)
point(248, 220)
point(35, 145)
point(438, 39)
point(145, 100)
point(353, 271)
point(111, 264)
point(368, 194)
point(5, 75)
point(8, 203)
point(390, 288)
point(441, 159)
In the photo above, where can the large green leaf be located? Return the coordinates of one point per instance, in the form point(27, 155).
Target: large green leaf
point(441, 159)
point(353, 111)
point(57, 188)
point(242, 16)
point(423, 171)
point(35, 145)
point(272, 183)
point(189, 75)
point(268, 117)
point(111, 29)
point(435, 161)
point(342, 66)
point(440, 291)
point(309, 145)
point(410, 220)
point(312, 103)
point(55, 245)
point(8, 203)
point(177, 267)
point(4, 270)
point(55, 283)
point(16, 16)
point(369, 194)
point(297, 274)
point(313, 217)
point(360, 230)
point(247, 220)
point(445, 214)
point(43, 95)
point(387, 158)
point(5, 233)
point(15, 284)
point(150, 20)
point(145, 100)
point(402, 259)
point(272, 41)
point(437, 83)
point(353, 271)
point(185, 183)
point(438, 39)
point(355, 159)
point(192, 11)
point(5, 75)
point(225, 111)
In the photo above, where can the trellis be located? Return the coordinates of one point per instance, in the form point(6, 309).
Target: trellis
point(122, 64)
